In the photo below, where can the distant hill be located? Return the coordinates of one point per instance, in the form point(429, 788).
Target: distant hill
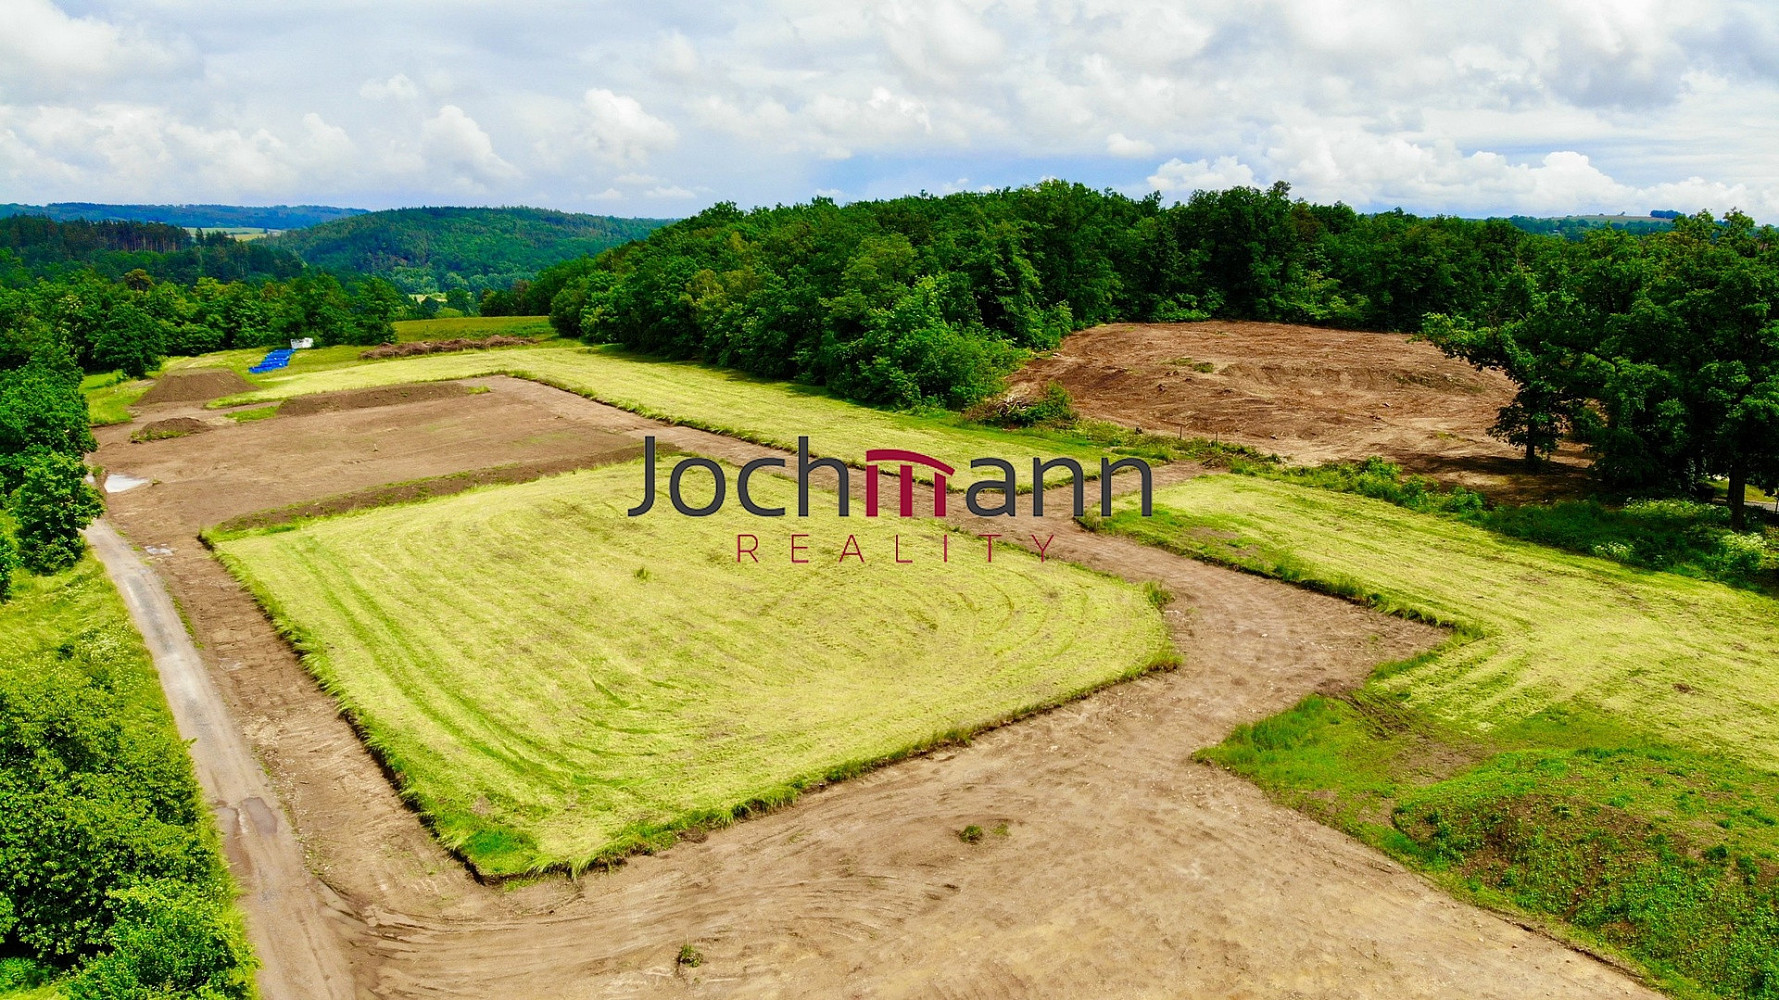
point(438, 249)
point(32, 247)
point(1574, 227)
point(277, 217)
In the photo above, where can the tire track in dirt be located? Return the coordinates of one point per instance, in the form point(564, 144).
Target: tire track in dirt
point(1126, 869)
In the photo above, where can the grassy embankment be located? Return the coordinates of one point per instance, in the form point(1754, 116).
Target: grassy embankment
point(557, 684)
point(1599, 744)
point(758, 410)
point(111, 879)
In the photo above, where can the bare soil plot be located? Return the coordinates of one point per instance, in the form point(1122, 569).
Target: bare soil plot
point(1125, 869)
point(1308, 393)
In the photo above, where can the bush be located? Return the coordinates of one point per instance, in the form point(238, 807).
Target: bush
point(1053, 408)
point(52, 504)
point(169, 940)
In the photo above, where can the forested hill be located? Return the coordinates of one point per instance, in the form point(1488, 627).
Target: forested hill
point(441, 249)
point(277, 217)
point(34, 246)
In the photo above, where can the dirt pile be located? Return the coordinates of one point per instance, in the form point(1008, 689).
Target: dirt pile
point(1307, 393)
point(171, 428)
point(418, 347)
point(194, 386)
point(364, 399)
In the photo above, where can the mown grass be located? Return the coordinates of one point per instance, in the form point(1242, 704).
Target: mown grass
point(327, 359)
point(473, 326)
point(557, 684)
point(758, 410)
point(109, 397)
point(1598, 743)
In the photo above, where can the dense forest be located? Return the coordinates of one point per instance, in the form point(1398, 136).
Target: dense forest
point(275, 217)
point(33, 247)
point(1660, 350)
point(466, 249)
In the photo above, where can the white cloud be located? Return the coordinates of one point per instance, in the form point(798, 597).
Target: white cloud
point(44, 51)
point(1180, 178)
point(397, 87)
point(1525, 105)
point(671, 191)
point(457, 148)
point(1118, 145)
point(619, 131)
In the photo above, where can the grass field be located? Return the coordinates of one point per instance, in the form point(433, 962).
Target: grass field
point(1598, 743)
point(473, 326)
point(557, 684)
point(325, 359)
point(765, 412)
point(109, 396)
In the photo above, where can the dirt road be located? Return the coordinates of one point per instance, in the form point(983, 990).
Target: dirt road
point(1115, 866)
point(292, 929)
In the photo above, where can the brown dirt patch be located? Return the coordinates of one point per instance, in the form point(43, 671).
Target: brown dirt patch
point(364, 399)
point(415, 348)
point(171, 428)
point(194, 386)
point(1127, 868)
point(432, 487)
point(1310, 394)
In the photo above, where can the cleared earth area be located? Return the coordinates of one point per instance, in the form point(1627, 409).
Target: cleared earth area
point(1308, 393)
point(1111, 862)
point(557, 683)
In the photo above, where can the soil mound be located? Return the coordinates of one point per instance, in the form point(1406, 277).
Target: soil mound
point(194, 386)
point(171, 428)
point(364, 399)
point(418, 347)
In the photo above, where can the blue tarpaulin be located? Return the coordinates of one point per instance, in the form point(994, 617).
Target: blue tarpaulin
point(274, 361)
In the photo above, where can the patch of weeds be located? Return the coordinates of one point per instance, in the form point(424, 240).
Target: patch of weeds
point(642, 573)
point(1202, 367)
point(1157, 595)
point(971, 834)
point(257, 413)
point(689, 957)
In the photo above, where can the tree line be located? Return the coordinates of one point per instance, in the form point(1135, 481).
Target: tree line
point(1653, 347)
point(33, 247)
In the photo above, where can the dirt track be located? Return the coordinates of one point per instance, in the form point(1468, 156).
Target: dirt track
point(1308, 393)
point(1127, 869)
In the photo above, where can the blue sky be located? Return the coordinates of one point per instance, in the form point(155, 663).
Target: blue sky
point(660, 109)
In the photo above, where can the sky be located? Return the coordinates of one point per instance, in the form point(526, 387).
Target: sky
point(660, 109)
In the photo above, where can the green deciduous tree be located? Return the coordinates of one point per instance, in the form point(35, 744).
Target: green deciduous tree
point(52, 504)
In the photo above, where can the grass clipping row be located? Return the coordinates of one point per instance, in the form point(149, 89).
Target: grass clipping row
point(557, 684)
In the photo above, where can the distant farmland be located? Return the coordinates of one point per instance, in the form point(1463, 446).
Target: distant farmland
point(557, 684)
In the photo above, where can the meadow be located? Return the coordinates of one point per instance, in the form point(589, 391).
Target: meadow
point(757, 410)
point(557, 684)
point(1597, 743)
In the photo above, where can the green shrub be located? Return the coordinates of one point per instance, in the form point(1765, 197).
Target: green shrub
point(52, 504)
point(169, 940)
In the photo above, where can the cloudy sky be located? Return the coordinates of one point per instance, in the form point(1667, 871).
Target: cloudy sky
point(1546, 107)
